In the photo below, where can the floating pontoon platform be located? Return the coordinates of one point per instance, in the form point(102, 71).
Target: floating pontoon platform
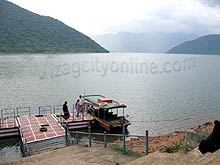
point(42, 131)
point(74, 122)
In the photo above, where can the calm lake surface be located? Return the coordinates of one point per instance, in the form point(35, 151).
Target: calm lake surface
point(163, 92)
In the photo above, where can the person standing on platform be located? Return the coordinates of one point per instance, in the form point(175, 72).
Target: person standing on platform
point(77, 107)
point(66, 111)
point(81, 105)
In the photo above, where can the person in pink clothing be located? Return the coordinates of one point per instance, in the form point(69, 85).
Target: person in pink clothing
point(81, 105)
point(77, 107)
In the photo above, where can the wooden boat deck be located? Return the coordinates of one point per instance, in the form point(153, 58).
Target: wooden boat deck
point(30, 128)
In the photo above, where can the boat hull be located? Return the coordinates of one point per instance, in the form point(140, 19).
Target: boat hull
point(111, 127)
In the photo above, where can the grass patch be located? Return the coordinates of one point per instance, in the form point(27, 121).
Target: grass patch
point(178, 147)
point(127, 152)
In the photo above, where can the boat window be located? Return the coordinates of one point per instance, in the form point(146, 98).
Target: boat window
point(118, 112)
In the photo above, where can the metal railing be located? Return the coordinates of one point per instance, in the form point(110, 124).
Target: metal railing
point(67, 134)
point(73, 137)
point(8, 115)
point(23, 111)
point(57, 109)
point(78, 137)
point(45, 110)
point(7, 118)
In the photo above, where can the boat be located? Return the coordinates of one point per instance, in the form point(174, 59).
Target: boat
point(107, 112)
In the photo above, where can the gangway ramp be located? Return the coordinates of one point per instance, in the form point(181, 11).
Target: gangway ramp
point(36, 139)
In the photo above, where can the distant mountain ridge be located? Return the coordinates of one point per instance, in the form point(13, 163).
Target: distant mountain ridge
point(209, 44)
point(22, 31)
point(142, 42)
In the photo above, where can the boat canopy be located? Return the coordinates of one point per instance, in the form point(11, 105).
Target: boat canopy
point(103, 102)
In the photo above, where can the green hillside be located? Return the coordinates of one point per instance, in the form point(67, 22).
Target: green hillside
point(209, 44)
point(22, 31)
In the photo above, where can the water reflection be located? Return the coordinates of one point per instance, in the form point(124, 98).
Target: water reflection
point(10, 150)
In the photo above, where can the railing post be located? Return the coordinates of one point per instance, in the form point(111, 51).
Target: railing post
point(54, 111)
point(1, 122)
point(66, 132)
point(14, 118)
point(123, 143)
point(28, 150)
point(105, 140)
point(146, 142)
point(17, 112)
point(90, 137)
point(77, 138)
point(29, 112)
point(73, 112)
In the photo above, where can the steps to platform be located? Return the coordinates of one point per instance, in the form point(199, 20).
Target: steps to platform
point(9, 132)
point(78, 125)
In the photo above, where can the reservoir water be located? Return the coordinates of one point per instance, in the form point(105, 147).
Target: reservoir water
point(163, 92)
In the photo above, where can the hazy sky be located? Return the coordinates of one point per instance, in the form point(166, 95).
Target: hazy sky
point(103, 16)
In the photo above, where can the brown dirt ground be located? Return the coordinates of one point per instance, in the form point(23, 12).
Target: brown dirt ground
point(164, 142)
point(76, 154)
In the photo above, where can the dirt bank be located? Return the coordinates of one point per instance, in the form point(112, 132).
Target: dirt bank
point(165, 142)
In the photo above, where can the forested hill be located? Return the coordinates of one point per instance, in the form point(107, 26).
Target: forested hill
point(209, 44)
point(22, 31)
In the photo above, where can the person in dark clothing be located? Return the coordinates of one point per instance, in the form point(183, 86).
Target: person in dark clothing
point(212, 143)
point(65, 111)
